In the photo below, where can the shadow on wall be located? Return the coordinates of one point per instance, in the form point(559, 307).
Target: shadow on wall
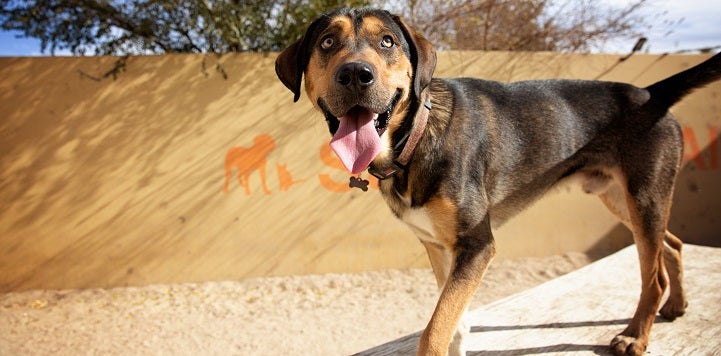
point(120, 182)
point(137, 126)
point(131, 160)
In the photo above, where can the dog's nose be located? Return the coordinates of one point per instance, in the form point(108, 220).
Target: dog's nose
point(357, 75)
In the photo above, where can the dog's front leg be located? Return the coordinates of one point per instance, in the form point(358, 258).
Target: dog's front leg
point(472, 252)
point(441, 260)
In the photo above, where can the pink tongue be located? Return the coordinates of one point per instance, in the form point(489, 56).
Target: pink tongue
point(356, 142)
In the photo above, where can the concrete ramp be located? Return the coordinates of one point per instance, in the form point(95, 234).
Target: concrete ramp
point(579, 313)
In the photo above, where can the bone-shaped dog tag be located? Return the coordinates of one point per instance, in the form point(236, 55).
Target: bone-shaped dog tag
point(358, 182)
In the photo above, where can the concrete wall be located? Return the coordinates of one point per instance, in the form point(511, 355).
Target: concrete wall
point(122, 182)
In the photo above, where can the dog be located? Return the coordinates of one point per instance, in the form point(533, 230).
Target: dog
point(456, 157)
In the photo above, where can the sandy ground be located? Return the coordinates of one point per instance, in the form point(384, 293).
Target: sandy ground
point(331, 314)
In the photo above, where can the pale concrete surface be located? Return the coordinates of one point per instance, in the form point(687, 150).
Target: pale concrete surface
point(579, 313)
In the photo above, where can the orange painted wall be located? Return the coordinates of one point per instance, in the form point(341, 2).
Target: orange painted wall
point(171, 173)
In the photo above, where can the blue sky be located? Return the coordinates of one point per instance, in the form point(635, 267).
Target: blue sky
point(699, 28)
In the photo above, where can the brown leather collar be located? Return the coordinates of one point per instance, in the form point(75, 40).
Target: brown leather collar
point(408, 142)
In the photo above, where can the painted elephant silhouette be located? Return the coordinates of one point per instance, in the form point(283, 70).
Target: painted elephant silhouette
point(247, 160)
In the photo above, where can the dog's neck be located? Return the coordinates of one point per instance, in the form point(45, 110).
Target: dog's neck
point(410, 132)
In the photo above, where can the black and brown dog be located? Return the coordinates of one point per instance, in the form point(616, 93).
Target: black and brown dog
point(458, 156)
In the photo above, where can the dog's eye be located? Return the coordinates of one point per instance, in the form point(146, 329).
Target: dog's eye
point(327, 43)
point(387, 42)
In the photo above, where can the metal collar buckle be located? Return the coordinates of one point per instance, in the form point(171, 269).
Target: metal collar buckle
point(387, 172)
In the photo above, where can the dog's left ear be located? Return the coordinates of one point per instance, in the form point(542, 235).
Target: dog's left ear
point(423, 56)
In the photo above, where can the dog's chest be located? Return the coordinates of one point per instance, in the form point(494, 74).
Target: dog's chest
point(420, 222)
point(417, 218)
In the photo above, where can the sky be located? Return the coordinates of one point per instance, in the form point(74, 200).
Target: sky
point(700, 28)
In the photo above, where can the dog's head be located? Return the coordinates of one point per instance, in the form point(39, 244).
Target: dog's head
point(363, 68)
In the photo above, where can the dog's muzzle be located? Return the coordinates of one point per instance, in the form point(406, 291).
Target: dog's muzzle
point(380, 123)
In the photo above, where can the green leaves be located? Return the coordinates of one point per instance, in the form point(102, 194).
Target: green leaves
point(113, 27)
point(119, 27)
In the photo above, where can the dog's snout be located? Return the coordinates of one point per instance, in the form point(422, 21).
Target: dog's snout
point(357, 75)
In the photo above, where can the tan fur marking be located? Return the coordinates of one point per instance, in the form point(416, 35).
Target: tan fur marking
point(440, 259)
point(443, 214)
point(318, 76)
point(392, 74)
point(635, 337)
point(456, 294)
point(372, 26)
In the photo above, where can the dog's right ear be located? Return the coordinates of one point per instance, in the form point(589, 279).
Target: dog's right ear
point(289, 68)
point(291, 63)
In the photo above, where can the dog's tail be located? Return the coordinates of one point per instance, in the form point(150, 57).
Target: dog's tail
point(669, 91)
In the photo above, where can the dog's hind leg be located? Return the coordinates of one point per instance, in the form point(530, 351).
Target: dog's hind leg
point(676, 304)
point(648, 231)
point(649, 182)
point(669, 265)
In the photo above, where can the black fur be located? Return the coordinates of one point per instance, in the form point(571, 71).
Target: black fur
point(490, 149)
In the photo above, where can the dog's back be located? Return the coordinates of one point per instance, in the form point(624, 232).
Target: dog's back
point(542, 131)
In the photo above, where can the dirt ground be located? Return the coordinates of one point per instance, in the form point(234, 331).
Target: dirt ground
point(331, 314)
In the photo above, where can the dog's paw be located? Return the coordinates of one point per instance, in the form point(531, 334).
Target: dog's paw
point(673, 309)
point(627, 345)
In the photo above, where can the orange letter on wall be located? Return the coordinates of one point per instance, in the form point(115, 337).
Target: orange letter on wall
point(713, 146)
